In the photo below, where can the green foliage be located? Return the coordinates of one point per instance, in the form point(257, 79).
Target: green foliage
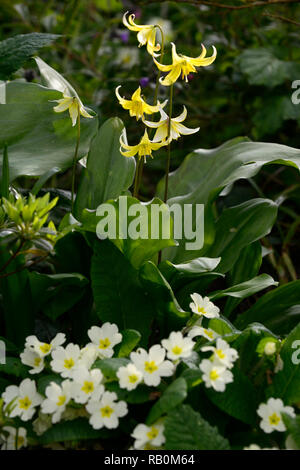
point(173, 396)
point(14, 52)
point(187, 430)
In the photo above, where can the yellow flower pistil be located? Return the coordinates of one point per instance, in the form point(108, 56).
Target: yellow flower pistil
point(274, 419)
point(146, 34)
point(88, 387)
point(104, 343)
point(143, 149)
point(45, 348)
point(213, 375)
point(220, 353)
point(74, 105)
point(182, 64)
point(69, 363)
point(61, 400)
point(176, 128)
point(177, 350)
point(106, 411)
point(153, 433)
point(24, 403)
point(133, 378)
point(150, 367)
point(137, 106)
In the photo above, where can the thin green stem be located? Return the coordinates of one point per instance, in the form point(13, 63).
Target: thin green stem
point(169, 145)
point(138, 177)
point(75, 161)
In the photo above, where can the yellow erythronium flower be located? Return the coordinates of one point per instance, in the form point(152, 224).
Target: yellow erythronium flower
point(176, 128)
point(137, 106)
point(143, 149)
point(74, 105)
point(146, 34)
point(184, 65)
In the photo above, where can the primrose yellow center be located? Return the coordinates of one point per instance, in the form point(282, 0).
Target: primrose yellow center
point(37, 361)
point(61, 400)
point(45, 348)
point(177, 350)
point(201, 310)
point(274, 419)
point(104, 343)
point(150, 367)
point(209, 333)
point(220, 353)
point(20, 441)
point(106, 411)
point(24, 403)
point(69, 363)
point(153, 433)
point(213, 375)
point(133, 378)
point(88, 387)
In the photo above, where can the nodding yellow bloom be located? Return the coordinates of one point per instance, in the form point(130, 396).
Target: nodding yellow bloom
point(74, 105)
point(137, 106)
point(182, 64)
point(146, 34)
point(143, 149)
point(176, 128)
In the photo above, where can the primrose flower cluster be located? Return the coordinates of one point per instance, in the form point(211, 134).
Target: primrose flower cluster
point(167, 128)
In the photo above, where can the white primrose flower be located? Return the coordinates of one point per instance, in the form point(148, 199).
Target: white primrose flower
point(105, 338)
point(88, 355)
point(270, 348)
point(25, 398)
point(58, 396)
point(86, 384)
point(223, 353)
point(65, 360)
point(215, 375)
point(129, 377)
point(257, 447)
point(152, 364)
point(270, 413)
point(177, 346)
point(32, 359)
point(14, 439)
point(106, 411)
point(148, 437)
point(43, 349)
point(207, 333)
point(203, 306)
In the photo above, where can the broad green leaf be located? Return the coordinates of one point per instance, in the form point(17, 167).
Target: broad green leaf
point(130, 339)
point(53, 79)
point(272, 112)
point(286, 382)
point(15, 51)
point(73, 430)
point(239, 226)
point(170, 315)
point(139, 233)
point(13, 366)
point(262, 67)
point(17, 304)
point(186, 271)
point(247, 288)
point(4, 189)
point(278, 310)
point(109, 367)
point(173, 396)
point(239, 398)
point(54, 294)
point(250, 260)
point(222, 326)
point(185, 429)
point(107, 173)
point(33, 131)
point(118, 294)
point(293, 428)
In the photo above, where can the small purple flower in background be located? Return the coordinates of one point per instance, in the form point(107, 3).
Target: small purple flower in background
point(190, 76)
point(144, 81)
point(124, 36)
point(137, 13)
